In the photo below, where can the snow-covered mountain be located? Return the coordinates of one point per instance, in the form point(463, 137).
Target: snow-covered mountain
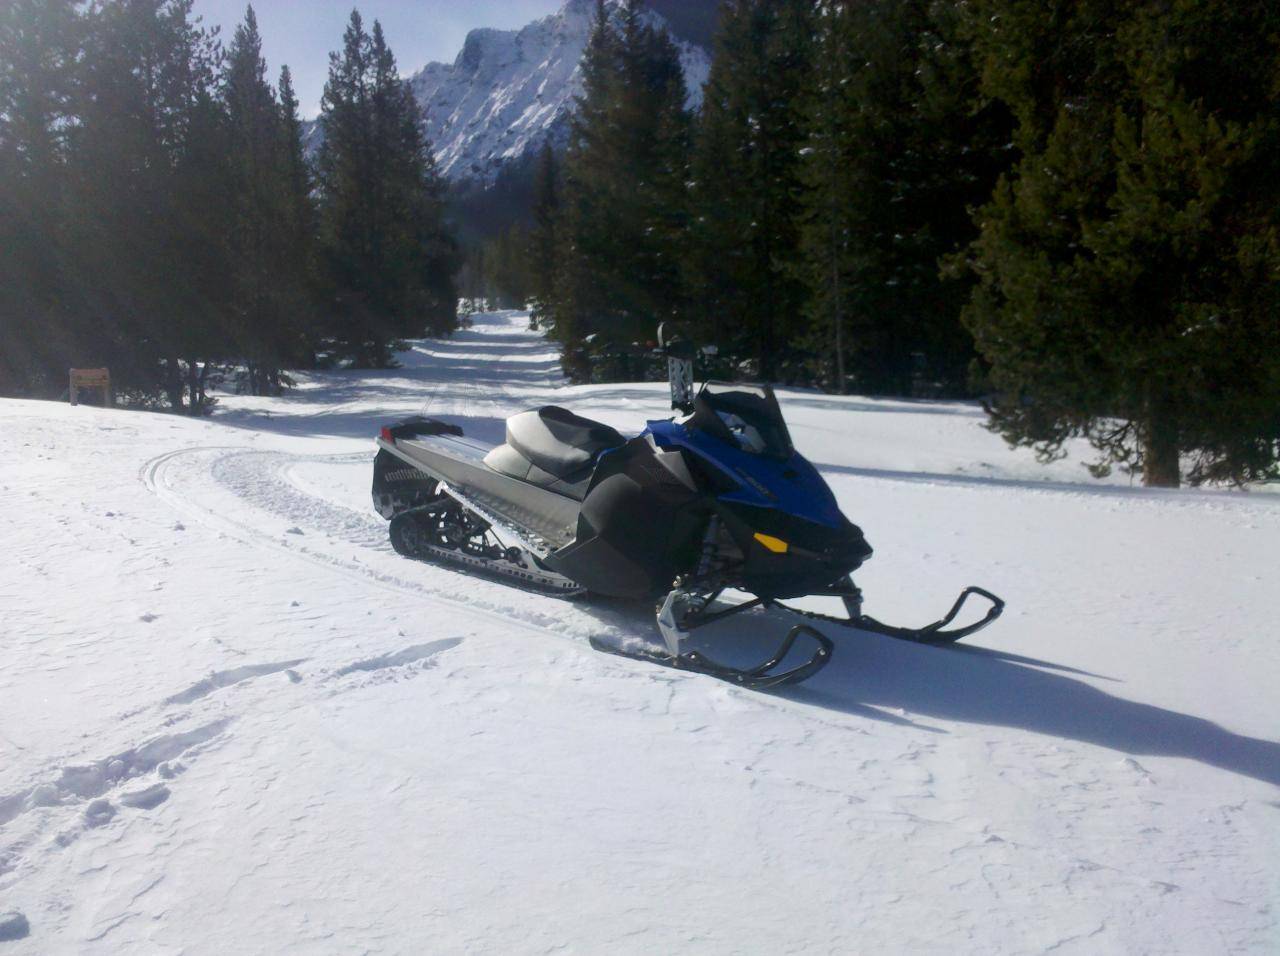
point(510, 89)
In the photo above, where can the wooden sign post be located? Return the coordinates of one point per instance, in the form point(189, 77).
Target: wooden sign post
point(95, 378)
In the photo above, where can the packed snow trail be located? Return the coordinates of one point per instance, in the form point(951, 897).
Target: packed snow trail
point(232, 720)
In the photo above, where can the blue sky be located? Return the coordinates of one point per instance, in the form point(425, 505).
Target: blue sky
point(418, 31)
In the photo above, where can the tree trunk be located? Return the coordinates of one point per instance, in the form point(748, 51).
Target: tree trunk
point(841, 380)
point(193, 388)
point(204, 381)
point(173, 384)
point(1160, 447)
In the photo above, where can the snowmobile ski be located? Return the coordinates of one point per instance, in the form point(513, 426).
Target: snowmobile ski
point(761, 677)
point(936, 634)
point(685, 610)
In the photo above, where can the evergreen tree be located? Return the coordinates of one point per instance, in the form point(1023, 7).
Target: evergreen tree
point(201, 249)
point(827, 226)
point(301, 218)
point(623, 208)
point(582, 227)
point(1128, 265)
point(745, 266)
point(297, 284)
point(544, 264)
point(148, 178)
point(508, 281)
point(39, 40)
point(260, 198)
point(900, 147)
point(389, 256)
point(423, 245)
point(472, 279)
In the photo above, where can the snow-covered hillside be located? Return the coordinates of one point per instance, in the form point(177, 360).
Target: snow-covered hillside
point(233, 721)
point(511, 90)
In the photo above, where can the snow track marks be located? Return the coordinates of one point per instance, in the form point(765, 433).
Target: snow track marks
point(78, 783)
point(237, 675)
point(253, 496)
point(410, 655)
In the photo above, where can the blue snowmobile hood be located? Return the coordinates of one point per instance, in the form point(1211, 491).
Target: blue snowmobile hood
point(790, 485)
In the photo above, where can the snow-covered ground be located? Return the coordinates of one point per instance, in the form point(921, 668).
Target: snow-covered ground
point(233, 721)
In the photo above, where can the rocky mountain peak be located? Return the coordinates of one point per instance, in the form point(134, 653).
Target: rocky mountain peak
point(509, 90)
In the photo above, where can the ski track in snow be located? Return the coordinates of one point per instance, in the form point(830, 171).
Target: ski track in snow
point(421, 654)
point(352, 542)
point(76, 797)
point(228, 678)
point(266, 731)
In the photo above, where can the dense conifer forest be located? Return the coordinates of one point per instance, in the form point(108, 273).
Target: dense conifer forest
point(1070, 209)
point(159, 216)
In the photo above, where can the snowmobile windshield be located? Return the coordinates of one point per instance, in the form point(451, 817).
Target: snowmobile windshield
point(745, 416)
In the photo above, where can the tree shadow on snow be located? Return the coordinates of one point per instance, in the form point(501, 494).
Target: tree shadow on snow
point(465, 373)
point(1182, 496)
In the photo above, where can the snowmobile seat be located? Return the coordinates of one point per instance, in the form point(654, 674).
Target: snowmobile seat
point(554, 448)
point(558, 441)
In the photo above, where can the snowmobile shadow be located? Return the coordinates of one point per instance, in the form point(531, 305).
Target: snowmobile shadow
point(793, 398)
point(974, 686)
point(1023, 659)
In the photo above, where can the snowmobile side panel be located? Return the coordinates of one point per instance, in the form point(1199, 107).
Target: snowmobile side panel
point(788, 557)
point(640, 525)
point(460, 462)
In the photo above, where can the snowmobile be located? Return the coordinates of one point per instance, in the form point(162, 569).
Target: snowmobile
point(713, 500)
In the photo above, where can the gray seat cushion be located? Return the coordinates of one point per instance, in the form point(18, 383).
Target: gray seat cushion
point(559, 442)
point(505, 460)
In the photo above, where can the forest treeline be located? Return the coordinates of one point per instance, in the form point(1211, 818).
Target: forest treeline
point(158, 215)
point(1070, 207)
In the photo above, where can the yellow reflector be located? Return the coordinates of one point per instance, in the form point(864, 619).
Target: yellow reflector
point(776, 545)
